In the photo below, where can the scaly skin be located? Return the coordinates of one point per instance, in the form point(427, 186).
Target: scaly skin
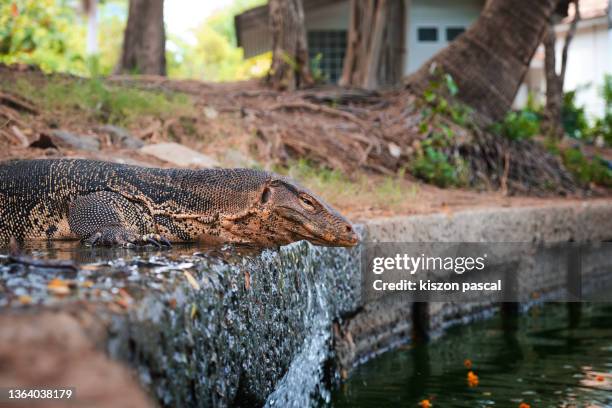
point(105, 203)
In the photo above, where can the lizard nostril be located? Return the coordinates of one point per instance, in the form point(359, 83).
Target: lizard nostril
point(348, 228)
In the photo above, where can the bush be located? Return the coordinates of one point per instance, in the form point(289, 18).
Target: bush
point(574, 118)
point(519, 125)
point(587, 171)
point(434, 166)
point(603, 126)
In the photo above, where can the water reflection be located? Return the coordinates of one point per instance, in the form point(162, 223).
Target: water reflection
point(101, 273)
point(557, 355)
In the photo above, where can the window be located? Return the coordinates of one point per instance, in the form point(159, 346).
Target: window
point(331, 46)
point(427, 34)
point(453, 32)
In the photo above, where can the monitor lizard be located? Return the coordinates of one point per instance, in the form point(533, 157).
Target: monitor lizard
point(110, 204)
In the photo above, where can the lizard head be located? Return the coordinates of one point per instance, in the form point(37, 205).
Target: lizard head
point(300, 214)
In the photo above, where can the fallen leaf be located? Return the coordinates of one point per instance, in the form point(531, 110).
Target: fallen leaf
point(124, 299)
point(125, 294)
point(192, 281)
point(87, 284)
point(25, 299)
point(59, 287)
point(124, 303)
point(194, 310)
point(247, 280)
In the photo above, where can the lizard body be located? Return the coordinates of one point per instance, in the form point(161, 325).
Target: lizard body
point(115, 204)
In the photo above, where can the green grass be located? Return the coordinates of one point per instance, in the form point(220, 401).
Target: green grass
point(386, 192)
point(586, 170)
point(103, 102)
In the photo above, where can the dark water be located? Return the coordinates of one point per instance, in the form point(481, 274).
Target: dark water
point(556, 355)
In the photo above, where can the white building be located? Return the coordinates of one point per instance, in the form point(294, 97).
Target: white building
point(430, 25)
point(589, 58)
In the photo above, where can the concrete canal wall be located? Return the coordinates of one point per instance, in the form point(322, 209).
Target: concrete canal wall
point(271, 329)
point(385, 319)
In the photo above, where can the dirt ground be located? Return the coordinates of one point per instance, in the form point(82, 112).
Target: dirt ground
point(260, 128)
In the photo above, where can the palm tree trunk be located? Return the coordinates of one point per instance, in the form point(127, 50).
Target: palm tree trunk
point(489, 61)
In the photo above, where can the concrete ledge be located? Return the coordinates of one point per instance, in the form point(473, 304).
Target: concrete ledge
point(261, 329)
point(385, 319)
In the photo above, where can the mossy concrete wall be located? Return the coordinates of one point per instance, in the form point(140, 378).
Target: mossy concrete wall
point(272, 328)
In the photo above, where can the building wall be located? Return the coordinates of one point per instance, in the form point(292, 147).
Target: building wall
point(256, 39)
point(589, 59)
point(435, 13)
point(331, 17)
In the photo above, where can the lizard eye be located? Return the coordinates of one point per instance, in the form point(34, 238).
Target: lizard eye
point(307, 203)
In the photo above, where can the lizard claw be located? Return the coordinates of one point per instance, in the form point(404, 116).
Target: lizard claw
point(126, 239)
point(156, 240)
point(93, 240)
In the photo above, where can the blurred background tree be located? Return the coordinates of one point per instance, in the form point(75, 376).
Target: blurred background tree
point(51, 34)
point(213, 56)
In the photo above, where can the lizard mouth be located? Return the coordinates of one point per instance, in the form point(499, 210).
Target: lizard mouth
point(338, 233)
point(340, 236)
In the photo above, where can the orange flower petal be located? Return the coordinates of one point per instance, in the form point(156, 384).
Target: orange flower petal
point(425, 404)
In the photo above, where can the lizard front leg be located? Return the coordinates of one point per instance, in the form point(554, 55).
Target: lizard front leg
point(109, 219)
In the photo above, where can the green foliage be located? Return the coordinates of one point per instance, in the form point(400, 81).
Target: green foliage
point(337, 187)
point(105, 103)
point(518, 125)
point(431, 163)
point(222, 21)
point(586, 170)
point(434, 166)
point(214, 56)
point(522, 124)
point(603, 126)
point(37, 32)
point(574, 117)
point(51, 35)
point(315, 69)
point(439, 96)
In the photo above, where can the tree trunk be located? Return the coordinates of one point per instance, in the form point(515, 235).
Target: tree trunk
point(290, 69)
point(489, 61)
point(375, 46)
point(144, 41)
point(554, 81)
